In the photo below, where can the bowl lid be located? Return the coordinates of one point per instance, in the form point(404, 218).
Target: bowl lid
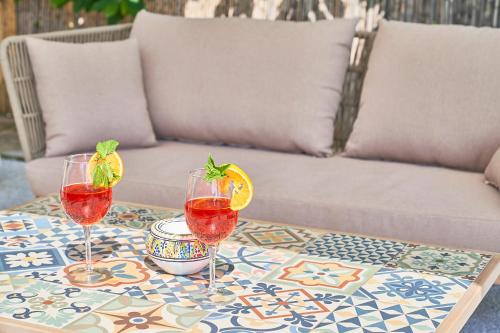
point(175, 228)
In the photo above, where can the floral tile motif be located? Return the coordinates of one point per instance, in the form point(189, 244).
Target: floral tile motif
point(317, 273)
point(120, 214)
point(360, 315)
point(124, 273)
point(463, 264)
point(354, 248)
point(219, 322)
point(127, 314)
point(413, 289)
point(280, 304)
point(50, 304)
point(30, 259)
point(273, 236)
point(250, 262)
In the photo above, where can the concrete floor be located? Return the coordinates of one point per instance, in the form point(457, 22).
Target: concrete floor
point(9, 142)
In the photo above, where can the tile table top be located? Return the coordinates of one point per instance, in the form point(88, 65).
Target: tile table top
point(287, 279)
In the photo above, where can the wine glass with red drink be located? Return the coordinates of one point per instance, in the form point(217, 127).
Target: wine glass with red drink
point(211, 220)
point(86, 205)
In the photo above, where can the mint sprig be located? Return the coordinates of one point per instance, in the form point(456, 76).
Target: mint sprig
point(214, 172)
point(103, 175)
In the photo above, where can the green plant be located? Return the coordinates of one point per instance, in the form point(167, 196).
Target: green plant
point(114, 10)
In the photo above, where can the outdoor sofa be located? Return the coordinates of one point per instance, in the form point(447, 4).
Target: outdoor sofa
point(425, 202)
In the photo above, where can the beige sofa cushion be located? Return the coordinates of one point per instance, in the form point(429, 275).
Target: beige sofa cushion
point(274, 85)
point(492, 173)
point(431, 95)
point(90, 92)
point(411, 202)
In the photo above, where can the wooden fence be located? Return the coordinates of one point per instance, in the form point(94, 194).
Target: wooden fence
point(33, 16)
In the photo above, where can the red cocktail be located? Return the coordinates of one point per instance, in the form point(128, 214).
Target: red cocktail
point(214, 196)
point(210, 219)
point(84, 203)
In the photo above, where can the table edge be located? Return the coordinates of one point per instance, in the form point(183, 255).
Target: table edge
point(10, 325)
point(468, 303)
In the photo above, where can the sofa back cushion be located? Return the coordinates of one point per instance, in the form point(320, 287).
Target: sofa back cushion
point(90, 92)
point(431, 96)
point(274, 85)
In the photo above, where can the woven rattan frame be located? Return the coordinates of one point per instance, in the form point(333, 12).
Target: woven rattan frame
point(20, 83)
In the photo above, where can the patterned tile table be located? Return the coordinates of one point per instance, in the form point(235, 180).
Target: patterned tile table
point(287, 279)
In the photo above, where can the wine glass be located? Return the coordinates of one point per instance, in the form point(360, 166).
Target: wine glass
point(211, 220)
point(86, 205)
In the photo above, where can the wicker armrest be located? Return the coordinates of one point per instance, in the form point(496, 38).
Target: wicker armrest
point(19, 79)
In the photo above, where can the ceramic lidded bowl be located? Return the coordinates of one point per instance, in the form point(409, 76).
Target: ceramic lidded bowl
point(171, 246)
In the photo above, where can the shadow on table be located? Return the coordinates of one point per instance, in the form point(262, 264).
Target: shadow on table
point(102, 248)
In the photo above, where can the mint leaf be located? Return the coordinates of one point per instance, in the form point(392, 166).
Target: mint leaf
point(103, 175)
point(108, 172)
point(214, 172)
point(98, 176)
point(104, 148)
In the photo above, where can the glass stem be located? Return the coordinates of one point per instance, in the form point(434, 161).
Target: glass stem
point(212, 252)
point(88, 248)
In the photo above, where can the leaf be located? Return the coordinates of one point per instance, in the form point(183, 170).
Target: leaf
point(101, 149)
point(111, 9)
point(108, 172)
point(104, 148)
point(114, 10)
point(99, 5)
point(115, 18)
point(59, 3)
point(214, 172)
point(78, 5)
point(134, 6)
point(97, 177)
point(124, 8)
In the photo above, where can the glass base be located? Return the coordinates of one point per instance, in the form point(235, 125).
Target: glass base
point(82, 276)
point(208, 297)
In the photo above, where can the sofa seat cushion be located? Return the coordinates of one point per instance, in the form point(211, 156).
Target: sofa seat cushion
point(403, 201)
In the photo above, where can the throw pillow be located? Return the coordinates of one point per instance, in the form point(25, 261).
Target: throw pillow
point(90, 92)
point(430, 96)
point(273, 85)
